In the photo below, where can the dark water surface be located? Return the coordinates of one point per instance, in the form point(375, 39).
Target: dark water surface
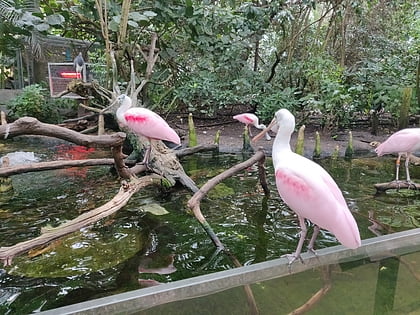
point(134, 248)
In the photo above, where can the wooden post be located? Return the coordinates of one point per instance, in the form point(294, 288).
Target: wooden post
point(405, 108)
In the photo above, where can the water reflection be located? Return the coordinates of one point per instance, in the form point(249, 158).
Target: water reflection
point(111, 256)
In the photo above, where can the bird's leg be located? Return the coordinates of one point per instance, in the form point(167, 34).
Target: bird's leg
point(407, 172)
point(397, 170)
point(147, 156)
point(313, 238)
point(296, 254)
point(397, 166)
point(249, 130)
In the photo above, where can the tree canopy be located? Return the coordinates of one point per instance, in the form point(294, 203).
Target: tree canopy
point(336, 57)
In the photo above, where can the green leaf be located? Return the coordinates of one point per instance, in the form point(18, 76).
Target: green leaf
point(136, 16)
point(55, 19)
point(42, 27)
point(149, 14)
point(189, 10)
point(132, 23)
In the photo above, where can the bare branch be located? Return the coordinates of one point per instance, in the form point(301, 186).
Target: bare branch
point(87, 218)
point(30, 125)
point(194, 202)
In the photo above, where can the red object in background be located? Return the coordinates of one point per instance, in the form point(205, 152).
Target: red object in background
point(74, 152)
point(70, 75)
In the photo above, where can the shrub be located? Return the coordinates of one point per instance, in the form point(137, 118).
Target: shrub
point(34, 101)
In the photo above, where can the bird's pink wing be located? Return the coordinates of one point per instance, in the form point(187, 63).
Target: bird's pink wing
point(150, 125)
point(406, 140)
point(312, 193)
point(246, 118)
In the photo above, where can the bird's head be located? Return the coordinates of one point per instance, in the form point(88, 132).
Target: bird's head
point(281, 118)
point(121, 98)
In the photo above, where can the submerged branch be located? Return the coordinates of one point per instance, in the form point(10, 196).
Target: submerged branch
point(308, 305)
point(53, 165)
point(87, 218)
point(194, 202)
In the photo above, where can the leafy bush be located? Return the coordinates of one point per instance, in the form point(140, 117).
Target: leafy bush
point(207, 92)
point(34, 101)
point(270, 103)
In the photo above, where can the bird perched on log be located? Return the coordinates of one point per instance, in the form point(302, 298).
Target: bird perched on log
point(308, 190)
point(78, 64)
point(403, 142)
point(144, 122)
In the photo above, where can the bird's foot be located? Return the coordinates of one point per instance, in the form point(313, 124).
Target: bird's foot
point(292, 258)
point(312, 250)
point(410, 184)
point(398, 183)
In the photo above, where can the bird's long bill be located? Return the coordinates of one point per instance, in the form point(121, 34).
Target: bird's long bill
point(262, 133)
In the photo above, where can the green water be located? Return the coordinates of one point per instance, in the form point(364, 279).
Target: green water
point(132, 249)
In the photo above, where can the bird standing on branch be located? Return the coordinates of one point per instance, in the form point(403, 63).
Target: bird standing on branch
point(250, 119)
point(403, 142)
point(309, 190)
point(144, 122)
point(78, 64)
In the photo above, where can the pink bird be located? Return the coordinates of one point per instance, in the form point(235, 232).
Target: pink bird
point(403, 142)
point(250, 119)
point(309, 190)
point(144, 122)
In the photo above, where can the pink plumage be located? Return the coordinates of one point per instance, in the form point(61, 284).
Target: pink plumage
point(144, 122)
point(312, 193)
point(247, 119)
point(405, 140)
point(148, 124)
point(309, 190)
point(251, 120)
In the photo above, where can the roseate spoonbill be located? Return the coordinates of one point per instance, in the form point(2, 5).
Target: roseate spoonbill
point(250, 119)
point(403, 142)
point(144, 122)
point(309, 190)
point(78, 64)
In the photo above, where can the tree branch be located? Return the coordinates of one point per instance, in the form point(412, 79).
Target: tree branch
point(120, 200)
point(194, 202)
point(30, 125)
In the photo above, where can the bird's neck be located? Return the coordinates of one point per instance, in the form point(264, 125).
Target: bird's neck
point(281, 143)
point(121, 110)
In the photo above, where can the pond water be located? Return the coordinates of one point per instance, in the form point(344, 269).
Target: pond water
point(134, 248)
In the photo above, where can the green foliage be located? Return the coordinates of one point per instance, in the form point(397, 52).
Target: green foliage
point(271, 101)
point(216, 54)
point(35, 102)
point(207, 92)
point(377, 83)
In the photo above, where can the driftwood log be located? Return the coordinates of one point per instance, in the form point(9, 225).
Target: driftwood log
point(164, 163)
point(382, 187)
point(120, 200)
point(194, 202)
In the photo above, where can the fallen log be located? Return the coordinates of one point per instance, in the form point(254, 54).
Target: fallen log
point(382, 187)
